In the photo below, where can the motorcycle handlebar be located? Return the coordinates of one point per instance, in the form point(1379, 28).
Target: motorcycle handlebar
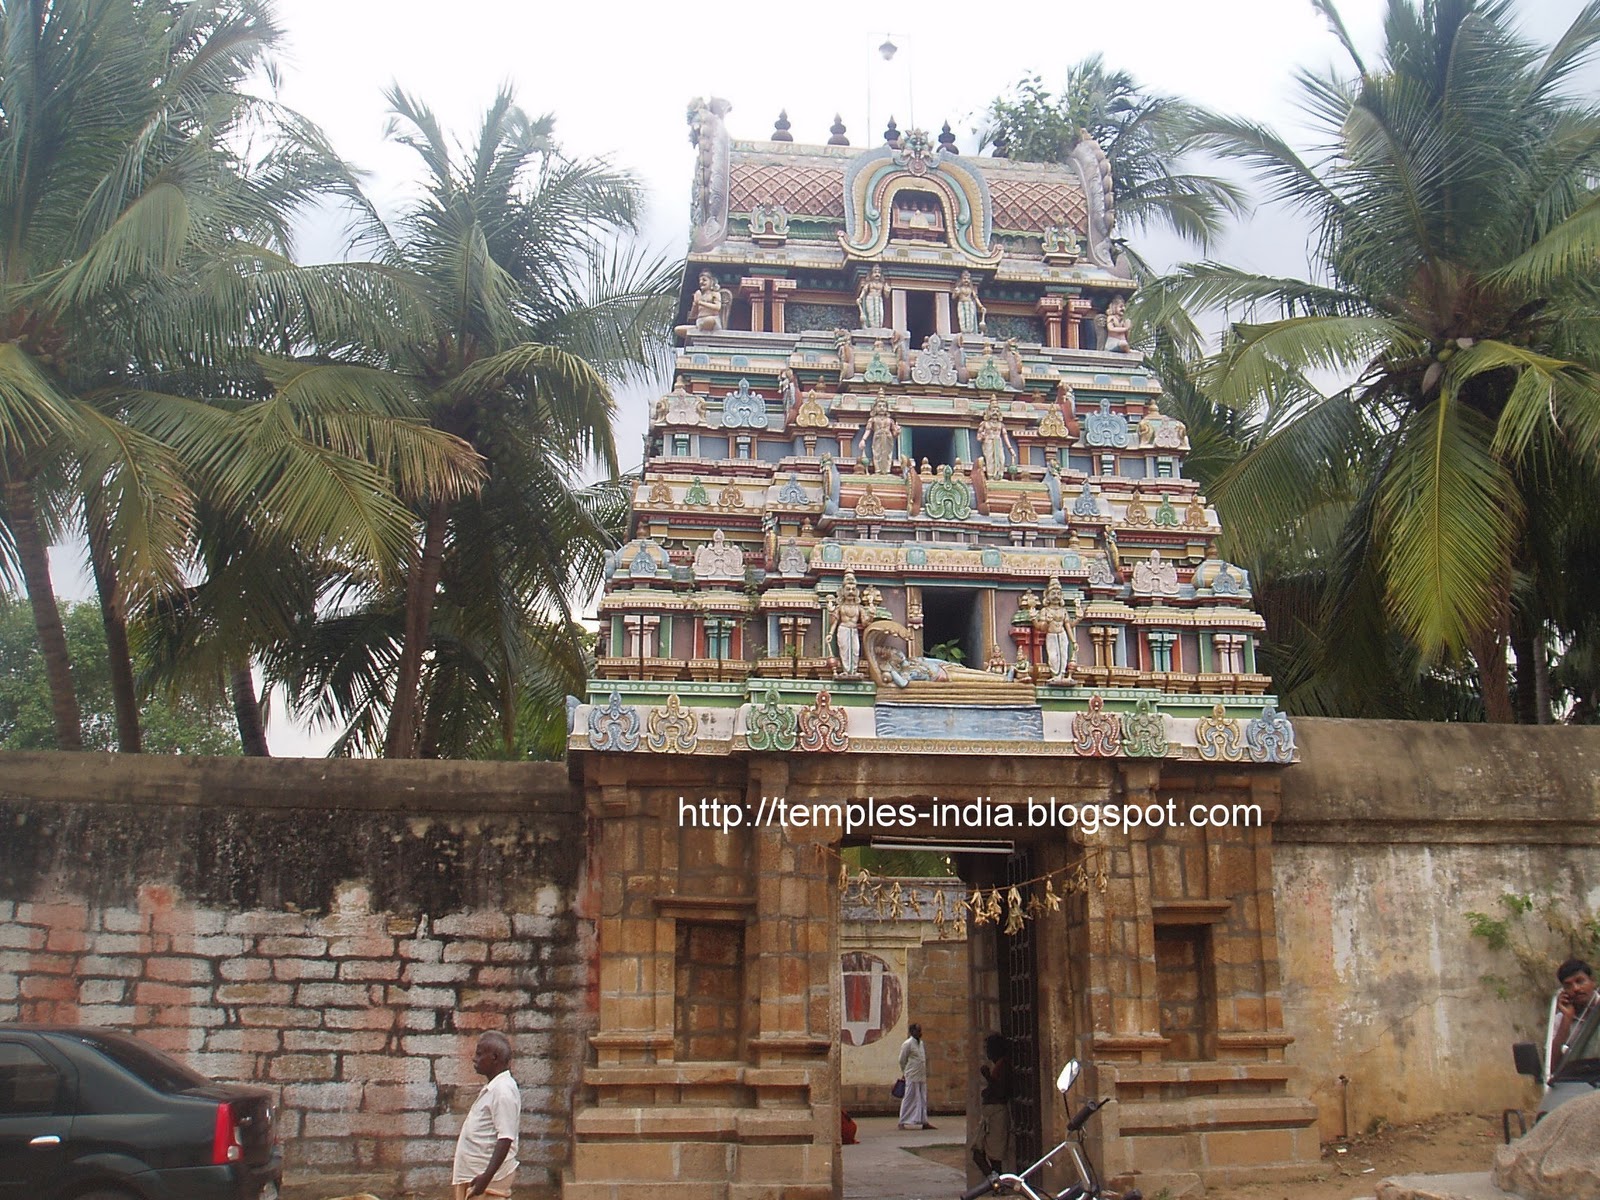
point(1084, 1113)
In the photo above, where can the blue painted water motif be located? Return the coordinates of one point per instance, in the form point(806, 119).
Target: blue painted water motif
point(961, 722)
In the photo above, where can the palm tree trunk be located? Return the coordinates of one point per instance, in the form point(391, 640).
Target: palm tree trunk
point(114, 616)
point(1522, 647)
point(405, 716)
point(247, 712)
point(1494, 675)
point(34, 558)
point(1541, 678)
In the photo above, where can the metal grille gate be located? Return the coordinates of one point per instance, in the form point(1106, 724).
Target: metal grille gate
point(1019, 1018)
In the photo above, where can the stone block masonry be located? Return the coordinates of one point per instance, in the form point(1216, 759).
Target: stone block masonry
point(338, 933)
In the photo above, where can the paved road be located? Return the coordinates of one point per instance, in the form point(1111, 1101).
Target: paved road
point(878, 1167)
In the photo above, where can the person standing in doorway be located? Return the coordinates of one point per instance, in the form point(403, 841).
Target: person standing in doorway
point(914, 1070)
point(994, 1113)
point(486, 1148)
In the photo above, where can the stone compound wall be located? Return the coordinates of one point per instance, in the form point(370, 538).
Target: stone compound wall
point(1391, 833)
point(336, 932)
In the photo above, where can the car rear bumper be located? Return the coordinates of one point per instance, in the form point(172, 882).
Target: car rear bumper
point(233, 1182)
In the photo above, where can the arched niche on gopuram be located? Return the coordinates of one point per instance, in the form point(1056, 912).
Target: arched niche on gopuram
point(927, 192)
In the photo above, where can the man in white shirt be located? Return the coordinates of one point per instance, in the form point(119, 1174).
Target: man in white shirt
point(486, 1149)
point(914, 1070)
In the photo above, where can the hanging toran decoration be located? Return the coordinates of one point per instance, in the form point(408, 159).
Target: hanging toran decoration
point(1010, 908)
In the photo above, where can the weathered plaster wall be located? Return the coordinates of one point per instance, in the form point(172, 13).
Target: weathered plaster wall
point(1391, 833)
point(337, 932)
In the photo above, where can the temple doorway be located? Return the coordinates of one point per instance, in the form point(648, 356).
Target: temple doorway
point(899, 966)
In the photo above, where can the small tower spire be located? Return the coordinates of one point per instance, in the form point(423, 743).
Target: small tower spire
point(947, 140)
point(837, 129)
point(780, 127)
point(891, 135)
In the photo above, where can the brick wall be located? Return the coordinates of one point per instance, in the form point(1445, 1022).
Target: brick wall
point(337, 933)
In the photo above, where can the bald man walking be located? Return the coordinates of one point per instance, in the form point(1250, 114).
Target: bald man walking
point(486, 1148)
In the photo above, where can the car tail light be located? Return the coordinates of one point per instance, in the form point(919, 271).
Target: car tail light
point(225, 1144)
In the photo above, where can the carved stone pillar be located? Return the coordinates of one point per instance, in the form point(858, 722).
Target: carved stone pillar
point(1077, 309)
point(1051, 308)
point(755, 291)
point(780, 293)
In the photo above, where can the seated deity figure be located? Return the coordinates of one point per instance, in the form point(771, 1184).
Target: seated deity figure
point(849, 618)
point(1056, 620)
point(708, 308)
point(1118, 327)
point(970, 312)
point(870, 299)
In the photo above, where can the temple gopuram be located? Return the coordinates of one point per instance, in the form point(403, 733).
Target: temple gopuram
point(913, 485)
point(913, 526)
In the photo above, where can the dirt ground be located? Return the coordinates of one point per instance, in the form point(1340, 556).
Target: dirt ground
point(1455, 1142)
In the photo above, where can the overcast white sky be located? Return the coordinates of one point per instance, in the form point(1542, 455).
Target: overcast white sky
point(618, 78)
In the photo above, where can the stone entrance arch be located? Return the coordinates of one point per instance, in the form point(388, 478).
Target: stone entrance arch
point(716, 1055)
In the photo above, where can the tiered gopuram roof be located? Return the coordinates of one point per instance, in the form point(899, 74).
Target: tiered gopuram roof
point(911, 488)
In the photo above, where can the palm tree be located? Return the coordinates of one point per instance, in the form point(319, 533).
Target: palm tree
point(1452, 191)
point(1146, 136)
point(522, 318)
point(147, 198)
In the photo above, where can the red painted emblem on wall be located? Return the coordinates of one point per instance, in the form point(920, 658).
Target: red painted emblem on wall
point(872, 998)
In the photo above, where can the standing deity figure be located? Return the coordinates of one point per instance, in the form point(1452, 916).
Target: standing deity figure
point(993, 439)
point(1118, 327)
point(849, 618)
point(788, 391)
point(870, 299)
point(1056, 619)
point(880, 437)
point(970, 312)
point(708, 307)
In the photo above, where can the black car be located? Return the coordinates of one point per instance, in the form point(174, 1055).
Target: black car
point(92, 1114)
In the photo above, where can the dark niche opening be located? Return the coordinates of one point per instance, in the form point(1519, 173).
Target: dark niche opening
point(935, 443)
point(920, 321)
point(951, 620)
